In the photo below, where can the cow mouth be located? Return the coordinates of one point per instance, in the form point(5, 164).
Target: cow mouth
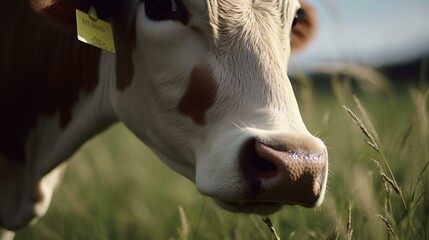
point(260, 208)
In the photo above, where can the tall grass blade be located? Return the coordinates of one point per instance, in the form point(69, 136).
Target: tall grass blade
point(268, 222)
point(388, 225)
point(386, 179)
point(406, 136)
point(203, 207)
point(258, 227)
point(420, 98)
point(366, 119)
point(372, 145)
point(184, 226)
point(341, 88)
point(366, 195)
point(349, 223)
point(420, 179)
point(335, 235)
point(364, 130)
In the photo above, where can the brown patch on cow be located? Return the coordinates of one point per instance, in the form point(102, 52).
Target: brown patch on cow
point(304, 30)
point(125, 42)
point(43, 69)
point(200, 94)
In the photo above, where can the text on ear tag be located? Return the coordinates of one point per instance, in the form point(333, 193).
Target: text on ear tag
point(94, 31)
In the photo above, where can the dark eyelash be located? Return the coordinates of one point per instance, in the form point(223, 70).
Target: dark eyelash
point(298, 16)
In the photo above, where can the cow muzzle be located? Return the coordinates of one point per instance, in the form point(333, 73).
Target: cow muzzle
point(285, 169)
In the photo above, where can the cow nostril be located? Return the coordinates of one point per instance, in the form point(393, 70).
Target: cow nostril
point(264, 168)
point(255, 166)
point(264, 165)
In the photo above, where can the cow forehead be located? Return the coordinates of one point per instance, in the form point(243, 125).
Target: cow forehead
point(248, 22)
point(233, 13)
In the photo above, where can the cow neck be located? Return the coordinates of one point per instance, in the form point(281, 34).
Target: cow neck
point(43, 77)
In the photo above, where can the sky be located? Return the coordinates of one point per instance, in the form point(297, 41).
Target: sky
point(369, 32)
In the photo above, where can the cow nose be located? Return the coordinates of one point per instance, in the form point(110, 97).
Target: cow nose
point(291, 171)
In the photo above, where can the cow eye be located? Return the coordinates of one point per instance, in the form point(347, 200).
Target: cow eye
point(160, 10)
point(300, 14)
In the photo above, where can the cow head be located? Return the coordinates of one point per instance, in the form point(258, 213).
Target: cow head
point(205, 85)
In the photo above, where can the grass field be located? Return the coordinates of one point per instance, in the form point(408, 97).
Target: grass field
point(115, 188)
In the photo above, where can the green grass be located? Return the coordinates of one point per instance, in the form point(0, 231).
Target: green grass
point(115, 188)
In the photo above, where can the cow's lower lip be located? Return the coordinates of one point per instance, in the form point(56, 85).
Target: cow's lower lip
point(261, 208)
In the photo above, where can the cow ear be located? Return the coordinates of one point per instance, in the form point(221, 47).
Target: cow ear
point(64, 11)
point(304, 29)
point(61, 11)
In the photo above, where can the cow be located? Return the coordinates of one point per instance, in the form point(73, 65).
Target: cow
point(203, 83)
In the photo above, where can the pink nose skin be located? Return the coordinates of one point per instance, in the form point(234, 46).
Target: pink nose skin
point(285, 173)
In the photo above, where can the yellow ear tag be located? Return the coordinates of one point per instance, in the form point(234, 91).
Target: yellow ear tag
point(94, 31)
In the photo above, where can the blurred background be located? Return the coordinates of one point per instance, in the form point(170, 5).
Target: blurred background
point(379, 34)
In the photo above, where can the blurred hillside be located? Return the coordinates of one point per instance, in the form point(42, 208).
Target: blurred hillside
point(391, 35)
